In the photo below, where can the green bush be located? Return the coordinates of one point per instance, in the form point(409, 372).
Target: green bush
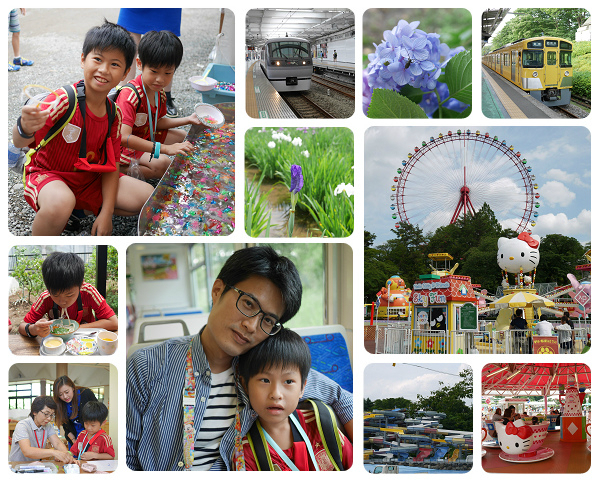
point(582, 84)
point(28, 272)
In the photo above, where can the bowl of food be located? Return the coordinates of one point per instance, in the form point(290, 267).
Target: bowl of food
point(203, 84)
point(60, 328)
point(53, 345)
point(209, 115)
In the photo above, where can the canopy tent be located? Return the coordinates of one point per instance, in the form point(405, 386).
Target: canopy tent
point(532, 378)
point(521, 300)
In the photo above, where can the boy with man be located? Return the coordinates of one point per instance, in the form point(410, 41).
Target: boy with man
point(67, 296)
point(148, 135)
point(93, 443)
point(274, 376)
point(59, 177)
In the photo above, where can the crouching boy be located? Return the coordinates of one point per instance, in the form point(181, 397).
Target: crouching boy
point(274, 375)
point(76, 169)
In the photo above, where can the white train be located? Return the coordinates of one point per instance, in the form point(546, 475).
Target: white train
point(287, 63)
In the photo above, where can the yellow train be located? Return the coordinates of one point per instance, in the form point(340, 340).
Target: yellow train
point(540, 66)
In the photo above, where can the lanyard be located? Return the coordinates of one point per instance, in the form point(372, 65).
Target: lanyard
point(87, 444)
point(43, 439)
point(283, 456)
point(189, 404)
point(150, 111)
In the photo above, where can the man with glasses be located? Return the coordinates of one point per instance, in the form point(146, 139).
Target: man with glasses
point(186, 408)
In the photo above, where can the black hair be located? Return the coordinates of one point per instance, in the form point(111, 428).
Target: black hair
point(518, 312)
point(110, 36)
point(285, 348)
point(93, 411)
point(265, 262)
point(62, 271)
point(40, 402)
point(543, 317)
point(160, 49)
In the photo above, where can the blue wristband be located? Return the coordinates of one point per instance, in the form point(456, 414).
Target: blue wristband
point(157, 150)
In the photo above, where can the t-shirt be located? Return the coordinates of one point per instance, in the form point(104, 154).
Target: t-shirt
point(60, 154)
point(100, 444)
point(92, 301)
point(26, 429)
point(544, 328)
point(298, 453)
point(135, 113)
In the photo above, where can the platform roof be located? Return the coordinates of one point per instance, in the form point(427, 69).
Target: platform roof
point(532, 378)
point(490, 19)
point(310, 23)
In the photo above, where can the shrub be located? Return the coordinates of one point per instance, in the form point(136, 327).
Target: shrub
point(582, 84)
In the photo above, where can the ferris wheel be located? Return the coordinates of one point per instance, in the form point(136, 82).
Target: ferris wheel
point(454, 174)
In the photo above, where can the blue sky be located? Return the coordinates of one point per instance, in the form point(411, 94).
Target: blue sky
point(382, 380)
point(559, 156)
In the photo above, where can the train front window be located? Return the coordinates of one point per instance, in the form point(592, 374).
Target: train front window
point(565, 59)
point(552, 43)
point(551, 58)
point(533, 59)
point(289, 50)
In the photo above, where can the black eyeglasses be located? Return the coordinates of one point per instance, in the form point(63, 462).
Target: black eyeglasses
point(249, 307)
point(50, 415)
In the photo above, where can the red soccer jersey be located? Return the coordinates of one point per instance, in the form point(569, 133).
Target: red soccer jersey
point(92, 301)
point(60, 154)
point(298, 453)
point(135, 114)
point(101, 444)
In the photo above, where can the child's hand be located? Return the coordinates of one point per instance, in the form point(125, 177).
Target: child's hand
point(102, 225)
point(41, 328)
point(177, 148)
point(64, 457)
point(33, 118)
point(88, 456)
point(194, 120)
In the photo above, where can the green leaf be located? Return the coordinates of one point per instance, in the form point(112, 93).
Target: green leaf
point(412, 93)
point(390, 104)
point(447, 113)
point(458, 74)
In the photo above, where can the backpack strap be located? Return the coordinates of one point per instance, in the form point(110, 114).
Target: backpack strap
point(58, 126)
point(260, 448)
point(327, 425)
point(56, 313)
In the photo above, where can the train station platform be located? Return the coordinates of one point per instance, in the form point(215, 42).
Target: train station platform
point(323, 65)
point(262, 100)
point(502, 99)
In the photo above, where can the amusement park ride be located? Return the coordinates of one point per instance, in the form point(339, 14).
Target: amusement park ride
point(392, 439)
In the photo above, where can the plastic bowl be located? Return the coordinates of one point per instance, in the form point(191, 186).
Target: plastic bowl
point(209, 115)
point(202, 84)
point(64, 336)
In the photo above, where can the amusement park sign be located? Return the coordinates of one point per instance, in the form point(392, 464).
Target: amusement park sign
point(431, 286)
point(427, 299)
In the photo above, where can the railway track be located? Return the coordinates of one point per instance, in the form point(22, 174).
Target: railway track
point(567, 112)
point(304, 107)
point(346, 90)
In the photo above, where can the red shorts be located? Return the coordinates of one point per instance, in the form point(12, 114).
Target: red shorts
point(88, 195)
point(128, 155)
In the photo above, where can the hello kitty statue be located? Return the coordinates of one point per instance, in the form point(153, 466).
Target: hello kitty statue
point(519, 255)
point(520, 442)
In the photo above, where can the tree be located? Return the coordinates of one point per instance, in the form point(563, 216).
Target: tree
point(559, 255)
point(28, 272)
point(367, 405)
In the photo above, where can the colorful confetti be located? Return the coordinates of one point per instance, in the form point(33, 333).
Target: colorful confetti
point(196, 194)
point(228, 87)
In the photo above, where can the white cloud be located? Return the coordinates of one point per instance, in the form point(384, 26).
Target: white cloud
point(560, 223)
point(574, 178)
point(556, 193)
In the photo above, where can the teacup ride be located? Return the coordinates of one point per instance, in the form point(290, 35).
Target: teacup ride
point(522, 443)
point(490, 441)
point(484, 434)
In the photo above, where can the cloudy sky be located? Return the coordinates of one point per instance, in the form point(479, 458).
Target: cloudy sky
point(560, 158)
point(383, 380)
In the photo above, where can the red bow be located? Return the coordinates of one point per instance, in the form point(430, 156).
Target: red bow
point(532, 242)
point(523, 432)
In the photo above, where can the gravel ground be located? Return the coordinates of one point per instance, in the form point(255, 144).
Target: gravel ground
point(53, 40)
point(338, 105)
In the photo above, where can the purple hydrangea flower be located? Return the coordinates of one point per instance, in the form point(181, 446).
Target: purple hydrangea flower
point(367, 93)
point(297, 180)
point(429, 103)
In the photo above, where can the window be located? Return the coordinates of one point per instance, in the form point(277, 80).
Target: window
point(565, 46)
point(287, 49)
point(565, 59)
point(20, 395)
point(551, 58)
point(535, 44)
point(206, 260)
point(533, 59)
point(552, 43)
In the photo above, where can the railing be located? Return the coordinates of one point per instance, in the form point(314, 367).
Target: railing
point(400, 339)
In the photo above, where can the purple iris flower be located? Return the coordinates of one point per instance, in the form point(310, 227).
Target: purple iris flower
point(297, 180)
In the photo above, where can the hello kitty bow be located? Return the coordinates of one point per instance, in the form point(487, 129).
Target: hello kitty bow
point(522, 432)
point(532, 242)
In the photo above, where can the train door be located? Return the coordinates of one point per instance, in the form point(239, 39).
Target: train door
point(551, 69)
point(513, 65)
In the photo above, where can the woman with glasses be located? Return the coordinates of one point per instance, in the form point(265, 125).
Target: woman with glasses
point(32, 434)
point(70, 399)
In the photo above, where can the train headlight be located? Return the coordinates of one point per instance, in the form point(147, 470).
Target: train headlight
point(304, 62)
point(534, 74)
point(566, 73)
point(277, 63)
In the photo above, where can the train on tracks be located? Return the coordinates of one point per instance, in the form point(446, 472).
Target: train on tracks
point(540, 66)
point(287, 63)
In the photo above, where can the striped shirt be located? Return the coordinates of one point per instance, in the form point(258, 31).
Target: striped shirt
point(220, 410)
point(155, 379)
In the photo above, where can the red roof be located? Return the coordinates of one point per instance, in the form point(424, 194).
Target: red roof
point(532, 378)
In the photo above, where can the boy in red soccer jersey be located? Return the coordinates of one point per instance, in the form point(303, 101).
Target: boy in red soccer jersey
point(148, 136)
point(57, 178)
point(67, 296)
point(93, 443)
